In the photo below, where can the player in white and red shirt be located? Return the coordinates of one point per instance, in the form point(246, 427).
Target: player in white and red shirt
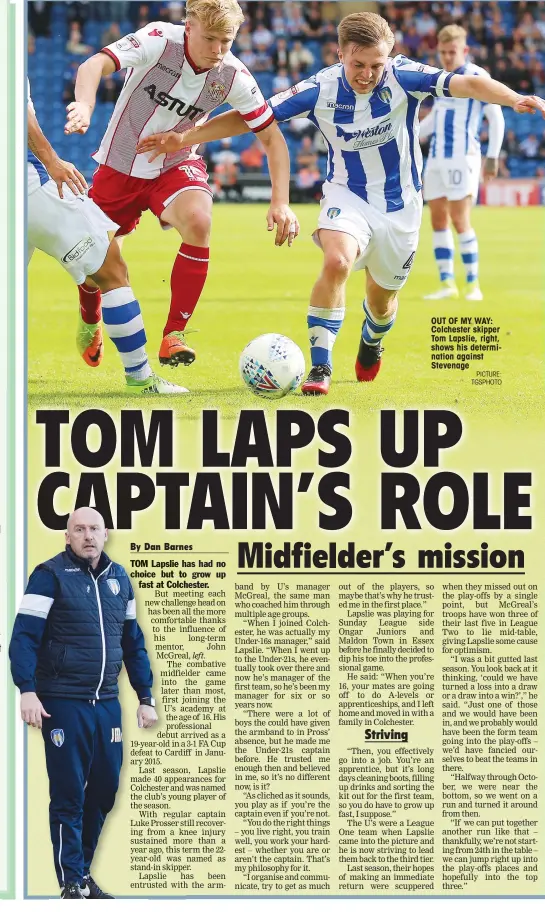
point(176, 76)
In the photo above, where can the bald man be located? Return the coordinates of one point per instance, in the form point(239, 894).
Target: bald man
point(75, 628)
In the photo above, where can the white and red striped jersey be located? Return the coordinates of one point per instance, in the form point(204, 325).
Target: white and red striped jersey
point(165, 90)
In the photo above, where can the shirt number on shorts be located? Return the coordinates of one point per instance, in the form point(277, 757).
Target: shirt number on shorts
point(455, 177)
point(192, 173)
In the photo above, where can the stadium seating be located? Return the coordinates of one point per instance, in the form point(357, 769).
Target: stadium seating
point(49, 69)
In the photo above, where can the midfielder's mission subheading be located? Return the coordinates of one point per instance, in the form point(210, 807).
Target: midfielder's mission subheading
point(366, 107)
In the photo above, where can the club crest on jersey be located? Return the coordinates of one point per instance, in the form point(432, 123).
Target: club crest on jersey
point(216, 91)
point(385, 95)
point(114, 586)
point(156, 33)
point(57, 737)
point(333, 213)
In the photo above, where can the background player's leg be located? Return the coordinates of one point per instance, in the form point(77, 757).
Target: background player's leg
point(90, 298)
point(443, 249)
point(460, 212)
point(125, 326)
point(327, 306)
point(191, 214)
point(380, 308)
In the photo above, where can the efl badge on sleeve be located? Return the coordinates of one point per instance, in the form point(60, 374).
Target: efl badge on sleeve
point(333, 213)
point(114, 586)
point(57, 737)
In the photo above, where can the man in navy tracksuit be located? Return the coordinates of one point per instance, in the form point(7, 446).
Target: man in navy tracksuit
point(75, 627)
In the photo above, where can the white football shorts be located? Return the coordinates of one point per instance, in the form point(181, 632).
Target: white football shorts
point(387, 242)
point(73, 230)
point(453, 178)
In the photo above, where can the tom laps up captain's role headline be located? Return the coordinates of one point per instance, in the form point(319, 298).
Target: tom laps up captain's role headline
point(233, 490)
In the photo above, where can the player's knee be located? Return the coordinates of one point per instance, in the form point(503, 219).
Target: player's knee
point(121, 273)
point(382, 307)
point(196, 228)
point(337, 265)
point(382, 310)
point(112, 274)
point(461, 224)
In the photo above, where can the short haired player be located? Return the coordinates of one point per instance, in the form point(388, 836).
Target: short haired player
point(453, 168)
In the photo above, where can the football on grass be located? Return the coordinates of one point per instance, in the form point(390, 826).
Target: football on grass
point(272, 366)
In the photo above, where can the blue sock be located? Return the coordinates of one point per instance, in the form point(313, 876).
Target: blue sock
point(323, 325)
point(443, 248)
point(375, 328)
point(469, 248)
point(125, 327)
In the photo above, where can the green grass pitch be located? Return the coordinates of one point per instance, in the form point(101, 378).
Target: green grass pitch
point(254, 287)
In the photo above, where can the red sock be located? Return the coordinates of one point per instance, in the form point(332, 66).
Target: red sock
point(186, 284)
point(90, 301)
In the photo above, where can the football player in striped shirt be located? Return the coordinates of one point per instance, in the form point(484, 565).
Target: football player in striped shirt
point(68, 226)
point(366, 107)
point(176, 75)
point(453, 168)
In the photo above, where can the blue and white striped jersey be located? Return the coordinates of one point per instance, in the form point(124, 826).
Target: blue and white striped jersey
point(37, 175)
point(457, 122)
point(372, 139)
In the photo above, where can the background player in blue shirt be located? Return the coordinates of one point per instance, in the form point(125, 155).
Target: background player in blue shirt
point(366, 107)
point(453, 168)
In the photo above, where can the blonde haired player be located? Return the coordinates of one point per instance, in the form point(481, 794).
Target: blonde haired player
point(176, 75)
point(453, 168)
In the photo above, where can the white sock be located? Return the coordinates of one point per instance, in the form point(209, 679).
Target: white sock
point(124, 324)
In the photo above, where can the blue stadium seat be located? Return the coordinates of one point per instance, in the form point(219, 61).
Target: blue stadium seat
point(315, 49)
point(92, 32)
point(50, 62)
point(265, 83)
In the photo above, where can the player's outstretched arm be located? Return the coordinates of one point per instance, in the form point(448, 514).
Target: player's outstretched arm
point(229, 124)
point(494, 92)
point(62, 172)
point(279, 214)
point(87, 82)
point(496, 130)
